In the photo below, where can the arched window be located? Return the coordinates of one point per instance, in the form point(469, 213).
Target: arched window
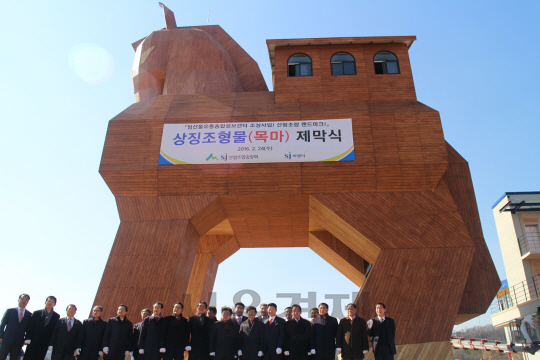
point(386, 63)
point(299, 65)
point(343, 64)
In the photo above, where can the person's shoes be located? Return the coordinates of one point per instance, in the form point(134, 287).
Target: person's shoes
point(530, 349)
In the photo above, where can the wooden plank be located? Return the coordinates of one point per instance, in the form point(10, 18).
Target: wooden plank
point(337, 254)
point(479, 291)
point(201, 266)
point(147, 208)
point(211, 216)
point(343, 231)
point(227, 249)
point(402, 219)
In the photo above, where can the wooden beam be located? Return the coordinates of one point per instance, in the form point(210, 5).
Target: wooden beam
point(201, 282)
point(339, 255)
point(343, 231)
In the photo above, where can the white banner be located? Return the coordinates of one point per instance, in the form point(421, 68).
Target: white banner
point(257, 142)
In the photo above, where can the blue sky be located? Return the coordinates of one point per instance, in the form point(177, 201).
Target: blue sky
point(65, 72)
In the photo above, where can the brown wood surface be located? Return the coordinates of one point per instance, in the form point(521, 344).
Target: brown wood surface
point(148, 263)
point(421, 289)
point(339, 255)
point(399, 147)
point(479, 289)
point(193, 60)
point(323, 86)
point(406, 205)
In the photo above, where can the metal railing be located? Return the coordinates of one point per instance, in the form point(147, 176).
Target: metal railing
point(529, 243)
point(524, 291)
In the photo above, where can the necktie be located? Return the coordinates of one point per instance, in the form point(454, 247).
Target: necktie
point(69, 325)
point(239, 320)
point(202, 319)
point(270, 321)
point(323, 321)
point(21, 312)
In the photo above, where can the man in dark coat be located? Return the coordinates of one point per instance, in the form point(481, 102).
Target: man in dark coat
point(90, 341)
point(264, 313)
point(224, 337)
point(274, 334)
point(288, 313)
point(212, 313)
point(117, 340)
point(199, 331)
point(13, 328)
point(40, 330)
point(176, 333)
point(313, 314)
point(352, 338)
point(152, 339)
point(137, 332)
point(383, 331)
point(323, 337)
point(297, 336)
point(251, 336)
point(238, 316)
point(63, 342)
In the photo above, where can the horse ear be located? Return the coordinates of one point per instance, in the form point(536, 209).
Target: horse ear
point(170, 21)
point(137, 43)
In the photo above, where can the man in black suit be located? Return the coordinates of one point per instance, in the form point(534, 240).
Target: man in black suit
point(297, 336)
point(117, 340)
point(351, 338)
point(211, 313)
point(383, 331)
point(264, 313)
point(274, 334)
point(90, 341)
point(251, 336)
point(137, 332)
point(224, 337)
point(239, 317)
point(13, 328)
point(288, 313)
point(152, 339)
point(323, 337)
point(176, 333)
point(63, 342)
point(199, 331)
point(313, 313)
point(40, 329)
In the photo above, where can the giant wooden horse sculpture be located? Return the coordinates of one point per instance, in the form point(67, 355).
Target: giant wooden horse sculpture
point(406, 205)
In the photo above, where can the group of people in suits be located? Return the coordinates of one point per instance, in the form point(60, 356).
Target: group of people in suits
point(202, 336)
